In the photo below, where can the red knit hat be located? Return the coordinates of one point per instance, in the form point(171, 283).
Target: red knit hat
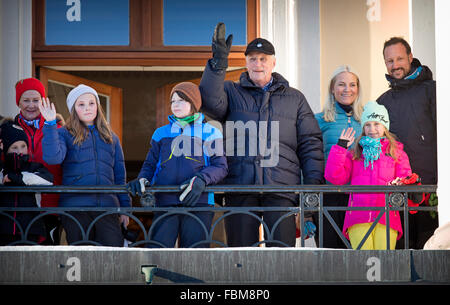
point(28, 84)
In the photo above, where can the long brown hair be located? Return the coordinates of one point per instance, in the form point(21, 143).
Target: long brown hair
point(392, 146)
point(80, 131)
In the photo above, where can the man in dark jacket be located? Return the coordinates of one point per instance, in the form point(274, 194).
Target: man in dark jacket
point(271, 136)
point(411, 103)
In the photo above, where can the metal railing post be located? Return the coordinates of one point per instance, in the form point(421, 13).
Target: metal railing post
point(388, 228)
point(302, 220)
point(310, 198)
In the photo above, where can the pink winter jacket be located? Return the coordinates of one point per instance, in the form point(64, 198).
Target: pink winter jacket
point(341, 169)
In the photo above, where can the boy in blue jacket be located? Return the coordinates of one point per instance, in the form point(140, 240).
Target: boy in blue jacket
point(186, 152)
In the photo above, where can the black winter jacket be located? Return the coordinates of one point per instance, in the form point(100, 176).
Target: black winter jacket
point(254, 158)
point(411, 104)
point(17, 167)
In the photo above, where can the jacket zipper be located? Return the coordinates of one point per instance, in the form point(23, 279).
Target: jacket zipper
point(32, 133)
point(351, 203)
point(32, 145)
point(96, 162)
point(15, 215)
point(16, 200)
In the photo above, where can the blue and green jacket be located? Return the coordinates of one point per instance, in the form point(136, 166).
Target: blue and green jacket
point(179, 152)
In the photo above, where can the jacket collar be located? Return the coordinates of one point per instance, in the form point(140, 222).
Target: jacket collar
point(340, 110)
point(22, 122)
point(198, 121)
point(385, 144)
point(278, 81)
point(404, 83)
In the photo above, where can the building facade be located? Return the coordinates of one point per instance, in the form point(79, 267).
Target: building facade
point(134, 51)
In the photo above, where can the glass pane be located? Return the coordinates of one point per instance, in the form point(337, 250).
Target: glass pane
point(82, 22)
point(192, 22)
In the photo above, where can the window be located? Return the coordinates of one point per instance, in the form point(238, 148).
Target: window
point(138, 32)
point(81, 22)
point(190, 22)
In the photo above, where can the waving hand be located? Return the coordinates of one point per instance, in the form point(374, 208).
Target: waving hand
point(47, 109)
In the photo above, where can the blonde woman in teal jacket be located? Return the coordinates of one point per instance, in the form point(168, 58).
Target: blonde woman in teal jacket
point(342, 110)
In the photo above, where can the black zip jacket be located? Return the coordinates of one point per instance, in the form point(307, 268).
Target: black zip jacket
point(251, 156)
point(15, 167)
point(411, 104)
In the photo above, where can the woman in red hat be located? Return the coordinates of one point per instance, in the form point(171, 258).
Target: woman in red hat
point(29, 92)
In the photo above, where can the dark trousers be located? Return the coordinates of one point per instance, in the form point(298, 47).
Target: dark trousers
point(243, 230)
point(421, 227)
point(167, 228)
point(106, 230)
point(331, 238)
point(53, 229)
point(6, 239)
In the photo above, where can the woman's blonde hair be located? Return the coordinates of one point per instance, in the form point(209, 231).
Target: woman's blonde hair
point(329, 107)
point(392, 148)
point(80, 131)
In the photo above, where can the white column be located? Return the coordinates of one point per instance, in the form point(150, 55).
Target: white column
point(442, 20)
point(293, 26)
point(15, 50)
point(309, 52)
point(422, 32)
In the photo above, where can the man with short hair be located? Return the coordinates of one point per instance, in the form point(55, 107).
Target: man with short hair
point(411, 103)
point(274, 137)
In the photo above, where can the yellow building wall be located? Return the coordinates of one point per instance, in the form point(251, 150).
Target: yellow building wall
point(348, 37)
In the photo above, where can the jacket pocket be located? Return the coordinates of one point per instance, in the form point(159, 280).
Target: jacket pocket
point(78, 178)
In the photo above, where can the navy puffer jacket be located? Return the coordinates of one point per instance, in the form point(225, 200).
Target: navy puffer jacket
point(251, 156)
point(178, 153)
point(94, 162)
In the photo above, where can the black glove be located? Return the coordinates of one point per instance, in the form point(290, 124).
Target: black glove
point(193, 188)
point(416, 197)
point(16, 178)
point(220, 47)
point(137, 186)
point(343, 143)
point(15, 163)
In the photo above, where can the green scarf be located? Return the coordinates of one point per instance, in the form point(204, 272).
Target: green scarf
point(187, 120)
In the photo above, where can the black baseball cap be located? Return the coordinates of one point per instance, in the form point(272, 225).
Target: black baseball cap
point(260, 45)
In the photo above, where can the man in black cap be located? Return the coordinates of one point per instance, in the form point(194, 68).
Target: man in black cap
point(278, 139)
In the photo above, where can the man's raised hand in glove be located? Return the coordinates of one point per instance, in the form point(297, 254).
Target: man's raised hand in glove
point(192, 190)
point(220, 47)
point(137, 186)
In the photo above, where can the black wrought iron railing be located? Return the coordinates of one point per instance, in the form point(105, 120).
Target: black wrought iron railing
point(310, 199)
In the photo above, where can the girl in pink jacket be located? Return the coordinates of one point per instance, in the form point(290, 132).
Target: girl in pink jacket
point(376, 159)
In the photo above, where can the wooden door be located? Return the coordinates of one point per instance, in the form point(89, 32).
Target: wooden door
point(58, 85)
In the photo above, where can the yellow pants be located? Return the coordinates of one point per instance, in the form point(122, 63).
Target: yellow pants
point(376, 239)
